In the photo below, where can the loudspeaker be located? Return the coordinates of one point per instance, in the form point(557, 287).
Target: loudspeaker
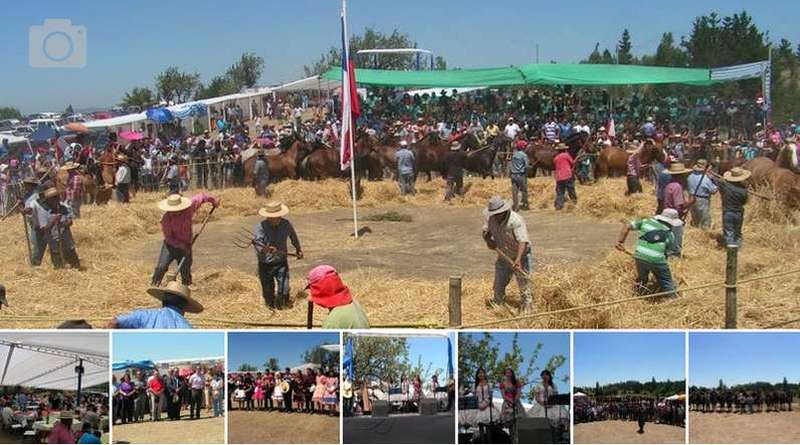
point(380, 408)
point(427, 407)
point(534, 430)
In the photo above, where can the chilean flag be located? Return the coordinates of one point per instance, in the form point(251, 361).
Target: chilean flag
point(350, 104)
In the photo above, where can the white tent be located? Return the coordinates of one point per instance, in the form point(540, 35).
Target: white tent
point(579, 395)
point(308, 84)
point(305, 366)
point(331, 347)
point(48, 360)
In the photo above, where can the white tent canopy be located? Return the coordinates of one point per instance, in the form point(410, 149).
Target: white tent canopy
point(48, 360)
point(308, 84)
point(331, 347)
point(305, 366)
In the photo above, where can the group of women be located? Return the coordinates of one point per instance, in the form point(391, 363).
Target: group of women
point(308, 391)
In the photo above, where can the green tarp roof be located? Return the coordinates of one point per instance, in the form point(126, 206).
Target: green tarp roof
point(533, 74)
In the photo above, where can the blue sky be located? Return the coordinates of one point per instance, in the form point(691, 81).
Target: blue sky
point(743, 357)
point(128, 42)
point(166, 346)
point(611, 357)
point(256, 347)
point(433, 350)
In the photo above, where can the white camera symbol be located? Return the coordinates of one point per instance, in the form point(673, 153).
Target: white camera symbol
point(57, 44)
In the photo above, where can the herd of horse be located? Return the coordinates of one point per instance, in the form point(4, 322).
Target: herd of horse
point(739, 401)
point(298, 158)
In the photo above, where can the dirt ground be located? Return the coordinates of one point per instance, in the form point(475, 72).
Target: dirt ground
point(783, 427)
point(617, 431)
point(274, 427)
point(205, 430)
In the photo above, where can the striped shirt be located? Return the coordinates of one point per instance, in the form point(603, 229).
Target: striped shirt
point(551, 131)
point(651, 252)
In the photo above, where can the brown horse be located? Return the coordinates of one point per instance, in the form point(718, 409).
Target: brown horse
point(613, 161)
point(324, 161)
point(431, 151)
point(785, 184)
point(282, 165)
point(479, 159)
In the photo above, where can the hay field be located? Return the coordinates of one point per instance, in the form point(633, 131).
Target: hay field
point(619, 431)
point(111, 241)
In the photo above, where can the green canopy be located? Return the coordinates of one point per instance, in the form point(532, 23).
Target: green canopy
point(533, 74)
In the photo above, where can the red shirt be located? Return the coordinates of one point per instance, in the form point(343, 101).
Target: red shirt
point(156, 385)
point(563, 163)
point(177, 226)
point(60, 434)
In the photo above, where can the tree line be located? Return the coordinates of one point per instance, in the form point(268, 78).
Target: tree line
point(755, 386)
point(387, 359)
point(328, 360)
point(633, 387)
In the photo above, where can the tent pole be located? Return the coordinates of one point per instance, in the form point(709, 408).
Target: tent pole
point(8, 360)
point(80, 381)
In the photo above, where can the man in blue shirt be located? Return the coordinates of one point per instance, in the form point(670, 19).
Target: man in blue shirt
point(260, 174)
point(700, 188)
point(175, 299)
point(649, 128)
point(519, 176)
point(406, 165)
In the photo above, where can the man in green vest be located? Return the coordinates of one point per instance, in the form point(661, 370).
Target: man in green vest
point(655, 239)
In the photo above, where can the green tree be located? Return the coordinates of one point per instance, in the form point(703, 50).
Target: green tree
point(373, 39)
point(380, 357)
point(246, 72)
point(624, 47)
point(69, 111)
point(246, 367)
point(174, 85)
point(327, 359)
point(271, 364)
point(138, 97)
point(597, 389)
point(218, 86)
point(607, 58)
point(10, 113)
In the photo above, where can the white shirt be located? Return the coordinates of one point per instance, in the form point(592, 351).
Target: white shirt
point(511, 130)
point(123, 174)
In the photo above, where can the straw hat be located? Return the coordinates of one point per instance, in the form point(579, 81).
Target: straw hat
point(192, 306)
point(670, 216)
point(69, 165)
point(677, 168)
point(274, 209)
point(700, 165)
point(455, 146)
point(65, 415)
point(497, 205)
point(50, 193)
point(32, 180)
point(736, 174)
point(174, 203)
point(561, 146)
point(284, 386)
point(122, 158)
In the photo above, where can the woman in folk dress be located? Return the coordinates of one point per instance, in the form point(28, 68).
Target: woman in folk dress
point(319, 392)
point(258, 394)
point(277, 393)
point(331, 397)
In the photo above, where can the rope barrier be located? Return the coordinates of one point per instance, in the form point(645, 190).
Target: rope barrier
point(626, 300)
point(782, 324)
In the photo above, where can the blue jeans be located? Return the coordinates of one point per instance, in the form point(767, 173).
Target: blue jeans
point(502, 276)
point(660, 271)
point(732, 227)
point(406, 182)
point(272, 276)
point(519, 185)
point(568, 186)
point(217, 404)
point(701, 213)
point(165, 258)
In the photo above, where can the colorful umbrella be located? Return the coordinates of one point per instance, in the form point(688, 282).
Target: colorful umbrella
point(77, 127)
point(131, 135)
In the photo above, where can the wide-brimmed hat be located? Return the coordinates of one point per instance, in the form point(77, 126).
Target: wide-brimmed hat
point(737, 174)
point(174, 203)
point(700, 165)
point(274, 209)
point(455, 146)
point(32, 180)
point(69, 165)
point(404, 143)
point(191, 305)
point(677, 168)
point(670, 216)
point(326, 287)
point(50, 193)
point(497, 205)
point(65, 415)
point(561, 146)
point(122, 158)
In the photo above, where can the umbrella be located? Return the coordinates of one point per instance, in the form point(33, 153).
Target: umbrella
point(77, 127)
point(159, 115)
point(131, 135)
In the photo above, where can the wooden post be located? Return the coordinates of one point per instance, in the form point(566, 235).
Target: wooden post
point(455, 301)
point(730, 288)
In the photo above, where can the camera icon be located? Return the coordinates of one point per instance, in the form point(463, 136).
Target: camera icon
point(57, 44)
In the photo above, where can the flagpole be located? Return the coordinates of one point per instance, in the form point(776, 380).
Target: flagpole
point(353, 179)
point(347, 114)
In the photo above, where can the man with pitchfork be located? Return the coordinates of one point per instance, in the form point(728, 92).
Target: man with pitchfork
point(176, 225)
point(505, 233)
point(270, 242)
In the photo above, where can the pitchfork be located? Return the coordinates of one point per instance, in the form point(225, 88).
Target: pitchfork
point(244, 238)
